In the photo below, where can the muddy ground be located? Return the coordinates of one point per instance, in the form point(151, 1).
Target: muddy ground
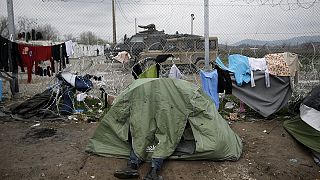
point(56, 150)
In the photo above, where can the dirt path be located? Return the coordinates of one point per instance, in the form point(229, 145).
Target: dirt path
point(56, 151)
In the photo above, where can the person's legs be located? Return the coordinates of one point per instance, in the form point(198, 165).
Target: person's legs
point(156, 164)
point(131, 170)
point(133, 159)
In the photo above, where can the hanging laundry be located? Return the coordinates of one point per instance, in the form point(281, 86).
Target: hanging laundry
point(40, 71)
point(239, 66)
point(136, 71)
point(224, 81)
point(175, 72)
point(277, 65)
point(4, 54)
point(16, 59)
point(37, 70)
point(49, 71)
point(40, 54)
point(64, 55)
point(263, 100)
point(28, 36)
point(259, 64)
point(151, 72)
point(123, 57)
point(293, 63)
point(59, 54)
point(221, 65)
point(26, 54)
point(209, 82)
point(69, 48)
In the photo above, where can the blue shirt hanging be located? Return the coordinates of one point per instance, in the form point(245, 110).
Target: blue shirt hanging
point(210, 85)
point(239, 65)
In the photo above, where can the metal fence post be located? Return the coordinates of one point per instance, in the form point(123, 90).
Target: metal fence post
point(14, 82)
point(206, 34)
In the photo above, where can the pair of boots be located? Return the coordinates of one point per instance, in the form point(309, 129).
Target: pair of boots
point(131, 171)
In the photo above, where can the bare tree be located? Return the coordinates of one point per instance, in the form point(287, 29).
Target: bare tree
point(4, 27)
point(67, 37)
point(25, 24)
point(48, 32)
point(88, 38)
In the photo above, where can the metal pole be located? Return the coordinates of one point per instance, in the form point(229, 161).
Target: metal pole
point(135, 25)
point(114, 23)
point(192, 18)
point(206, 33)
point(14, 83)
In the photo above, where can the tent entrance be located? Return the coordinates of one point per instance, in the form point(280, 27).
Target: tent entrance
point(187, 144)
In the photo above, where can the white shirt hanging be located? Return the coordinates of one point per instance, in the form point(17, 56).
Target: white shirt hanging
point(259, 64)
point(175, 72)
point(69, 48)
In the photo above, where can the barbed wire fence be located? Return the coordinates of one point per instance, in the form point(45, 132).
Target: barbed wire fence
point(268, 23)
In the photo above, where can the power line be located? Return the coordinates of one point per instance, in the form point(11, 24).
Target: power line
point(122, 13)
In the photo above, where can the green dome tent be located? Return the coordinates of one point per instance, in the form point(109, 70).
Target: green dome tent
point(159, 114)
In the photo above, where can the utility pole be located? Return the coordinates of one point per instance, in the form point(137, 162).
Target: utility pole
point(114, 23)
point(206, 34)
point(14, 86)
point(192, 18)
point(135, 25)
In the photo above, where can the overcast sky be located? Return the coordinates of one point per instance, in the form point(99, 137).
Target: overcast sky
point(230, 20)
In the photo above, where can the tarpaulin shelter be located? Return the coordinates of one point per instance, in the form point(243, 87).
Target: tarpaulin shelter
point(262, 99)
point(159, 114)
point(306, 127)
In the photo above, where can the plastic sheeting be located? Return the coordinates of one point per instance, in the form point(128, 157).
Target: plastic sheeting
point(303, 133)
point(265, 101)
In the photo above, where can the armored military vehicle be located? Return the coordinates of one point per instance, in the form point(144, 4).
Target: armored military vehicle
point(186, 49)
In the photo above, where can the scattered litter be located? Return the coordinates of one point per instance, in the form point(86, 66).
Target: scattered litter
point(293, 160)
point(265, 131)
point(35, 125)
point(100, 111)
point(242, 116)
point(250, 163)
point(43, 175)
point(243, 129)
point(78, 111)
point(92, 177)
point(229, 105)
point(81, 97)
point(233, 116)
point(59, 165)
